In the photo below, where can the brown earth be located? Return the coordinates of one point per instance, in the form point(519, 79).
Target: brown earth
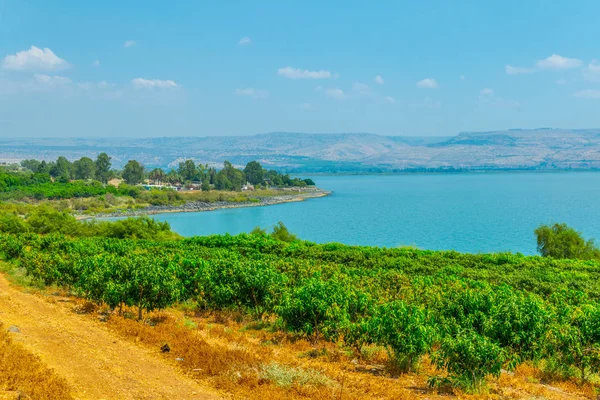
point(96, 363)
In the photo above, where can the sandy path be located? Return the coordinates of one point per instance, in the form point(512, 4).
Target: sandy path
point(96, 363)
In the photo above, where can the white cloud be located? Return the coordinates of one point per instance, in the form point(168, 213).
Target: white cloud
point(559, 62)
point(486, 92)
point(427, 83)
point(129, 43)
point(52, 80)
point(592, 71)
point(251, 92)
point(95, 85)
point(153, 83)
point(245, 41)
point(588, 94)
point(297, 73)
point(34, 59)
point(361, 88)
point(96, 63)
point(561, 82)
point(379, 80)
point(510, 70)
point(336, 93)
point(306, 106)
point(389, 99)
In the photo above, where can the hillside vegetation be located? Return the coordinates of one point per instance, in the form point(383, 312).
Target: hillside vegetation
point(470, 315)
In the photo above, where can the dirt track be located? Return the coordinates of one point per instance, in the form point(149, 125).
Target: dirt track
point(96, 363)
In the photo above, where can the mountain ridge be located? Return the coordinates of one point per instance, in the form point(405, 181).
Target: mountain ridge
point(543, 148)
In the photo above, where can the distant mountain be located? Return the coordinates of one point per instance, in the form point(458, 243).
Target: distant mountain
point(338, 152)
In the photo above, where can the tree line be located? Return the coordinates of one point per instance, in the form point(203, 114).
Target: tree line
point(134, 173)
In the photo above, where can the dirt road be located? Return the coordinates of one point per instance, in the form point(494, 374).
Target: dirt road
point(96, 363)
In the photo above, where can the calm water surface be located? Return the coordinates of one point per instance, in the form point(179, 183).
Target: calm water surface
point(476, 212)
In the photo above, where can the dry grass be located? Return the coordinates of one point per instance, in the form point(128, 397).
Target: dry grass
point(24, 373)
point(250, 360)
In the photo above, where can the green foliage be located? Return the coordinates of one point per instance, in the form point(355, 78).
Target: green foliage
point(560, 241)
point(575, 340)
point(255, 173)
point(405, 329)
point(84, 168)
point(103, 172)
point(469, 358)
point(12, 223)
point(187, 170)
point(281, 233)
point(473, 314)
point(133, 173)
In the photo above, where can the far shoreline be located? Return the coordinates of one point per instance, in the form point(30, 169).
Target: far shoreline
point(200, 206)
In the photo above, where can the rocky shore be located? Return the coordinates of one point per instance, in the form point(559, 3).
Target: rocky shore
point(197, 206)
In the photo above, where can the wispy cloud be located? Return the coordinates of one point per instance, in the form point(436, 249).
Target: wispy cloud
point(52, 80)
point(389, 99)
point(510, 70)
point(245, 41)
point(129, 43)
point(361, 88)
point(489, 98)
point(588, 94)
point(462, 77)
point(34, 59)
point(306, 106)
point(95, 85)
point(142, 83)
point(379, 80)
point(251, 92)
point(297, 73)
point(592, 71)
point(336, 93)
point(558, 62)
point(427, 83)
point(96, 63)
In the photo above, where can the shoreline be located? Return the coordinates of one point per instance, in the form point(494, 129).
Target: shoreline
point(201, 206)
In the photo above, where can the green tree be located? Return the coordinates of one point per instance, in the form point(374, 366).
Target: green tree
point(254, 173)
point(133, 173)
point(205, 184)
point(62, 168)
point(84, 168)
point(173, 177)
point(561, 241)
point(103, 165)
point(281, 233)
point(157, 176)
point(404, 329)
point(575, 341)
point(187, 170)
point(469, 358)
point(32, 165)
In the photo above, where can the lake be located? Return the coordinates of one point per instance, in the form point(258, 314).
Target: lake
point(467, 212)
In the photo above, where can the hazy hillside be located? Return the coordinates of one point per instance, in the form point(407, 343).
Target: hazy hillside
point(345, 152)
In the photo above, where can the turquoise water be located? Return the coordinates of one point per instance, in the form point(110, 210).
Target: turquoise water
point(475, 212)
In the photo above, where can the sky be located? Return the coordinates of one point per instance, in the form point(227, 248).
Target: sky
point(211, 68)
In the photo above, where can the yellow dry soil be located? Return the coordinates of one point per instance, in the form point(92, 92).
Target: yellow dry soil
point(96, 363)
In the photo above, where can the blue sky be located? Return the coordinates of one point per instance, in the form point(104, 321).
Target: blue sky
point(198, 68)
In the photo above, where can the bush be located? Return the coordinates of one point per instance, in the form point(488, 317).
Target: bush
point(469, 358)
point(560, 241)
